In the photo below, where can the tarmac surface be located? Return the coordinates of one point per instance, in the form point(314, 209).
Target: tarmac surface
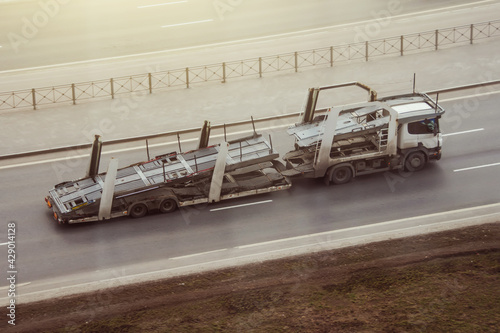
point(52, 257)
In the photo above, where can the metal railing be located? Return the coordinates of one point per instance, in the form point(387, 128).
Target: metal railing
point(255, 67)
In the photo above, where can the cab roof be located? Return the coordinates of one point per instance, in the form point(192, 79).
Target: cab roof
point(413, 107)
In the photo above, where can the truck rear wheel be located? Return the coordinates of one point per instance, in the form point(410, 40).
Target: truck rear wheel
point(341, 175)
point(138, 210)
point(415, 161)
point(168, 206)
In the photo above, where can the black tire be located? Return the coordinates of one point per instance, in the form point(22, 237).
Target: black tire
point(341, 175)
point(415, 161)
point(138, 210)
point(167, 206)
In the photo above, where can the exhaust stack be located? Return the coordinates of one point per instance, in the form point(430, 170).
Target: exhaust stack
point(204, 135)
point(95, 157)
point(312, 100)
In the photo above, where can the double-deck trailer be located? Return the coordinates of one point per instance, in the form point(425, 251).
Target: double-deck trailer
point(232, 169)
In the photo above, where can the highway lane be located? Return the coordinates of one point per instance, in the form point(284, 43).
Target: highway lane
point(252, 29)
point(82, 30)
point(49, 251)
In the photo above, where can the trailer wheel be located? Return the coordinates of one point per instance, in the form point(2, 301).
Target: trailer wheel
point(168, 206)
point(138, 210)
point(415, 161)
point(341, 175)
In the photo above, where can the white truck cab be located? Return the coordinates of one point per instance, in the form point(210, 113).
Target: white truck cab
point(383, 134)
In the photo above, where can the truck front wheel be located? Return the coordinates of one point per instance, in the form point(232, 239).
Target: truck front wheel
point(341, 175)
point(415, 161)
point(138, 210)
point(167, 206)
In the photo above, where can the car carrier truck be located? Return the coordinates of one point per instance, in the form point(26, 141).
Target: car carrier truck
point(338, 143)
point(232, 169)
point(398, 132)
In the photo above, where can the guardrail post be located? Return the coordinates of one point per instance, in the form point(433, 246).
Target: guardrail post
point(260, 67)
point(437, 39)
point(296, 61)
point(150, 83)
point(471, 33)
point(34, 98)
point(187, 77)
point(331, 56)
point(112, 88)
point(366, 50)
point(73, 95)
point(223, 72)
point(402, 38)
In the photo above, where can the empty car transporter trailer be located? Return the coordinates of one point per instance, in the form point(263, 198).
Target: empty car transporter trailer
point(397, 132)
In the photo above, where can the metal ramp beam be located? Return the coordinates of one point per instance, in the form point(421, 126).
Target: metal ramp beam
point(108, 191)
point(321, 163)
point(218, 174)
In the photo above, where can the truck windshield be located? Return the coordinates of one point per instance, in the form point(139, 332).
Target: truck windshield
point(423, 127)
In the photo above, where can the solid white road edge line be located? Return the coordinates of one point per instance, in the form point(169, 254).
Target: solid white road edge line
point(186, 23)
point(242, 205)
point(162, 4)
point(17, 285)
point(197, 254)
point(477, 167)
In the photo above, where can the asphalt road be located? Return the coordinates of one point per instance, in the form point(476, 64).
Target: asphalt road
point(467, 175)
point(48, 251)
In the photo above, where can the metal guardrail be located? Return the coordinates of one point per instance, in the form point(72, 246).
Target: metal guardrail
point(256, 67)
point(177, 134)
point(464, 87)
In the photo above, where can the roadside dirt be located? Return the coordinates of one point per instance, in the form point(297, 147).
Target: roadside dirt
point(442, 282)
